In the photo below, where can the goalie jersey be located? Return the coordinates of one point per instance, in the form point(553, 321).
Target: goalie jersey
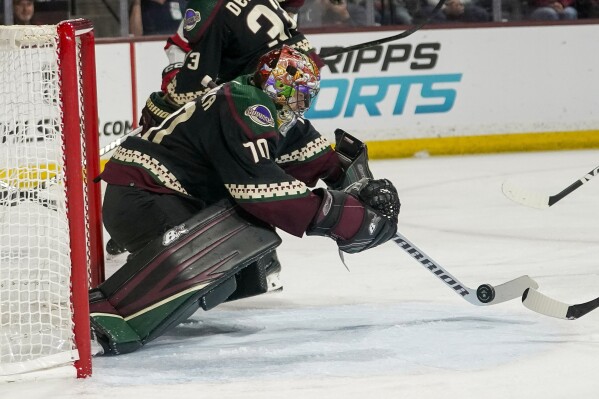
point(223, 39)
point(227, 144)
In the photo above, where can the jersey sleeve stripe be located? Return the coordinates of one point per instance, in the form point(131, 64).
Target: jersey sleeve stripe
point(256, 192)
point(311, 150)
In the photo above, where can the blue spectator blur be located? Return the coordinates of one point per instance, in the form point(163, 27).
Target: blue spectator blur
point(392, 12)
point(553, 10)
point(511, 10)
point(155, 17)
point(457, 11)
point(324, 13)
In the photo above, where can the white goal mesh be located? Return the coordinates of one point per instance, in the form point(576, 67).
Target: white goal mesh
point(37, 328)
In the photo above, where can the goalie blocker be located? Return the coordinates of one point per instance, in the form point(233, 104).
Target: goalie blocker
point(380, 218)
point(353, 155)
point(217, 255)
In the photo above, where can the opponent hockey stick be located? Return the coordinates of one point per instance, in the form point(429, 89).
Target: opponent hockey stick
point(484, 295)
point(541, 303)
point(539, 201)
point(331, 52)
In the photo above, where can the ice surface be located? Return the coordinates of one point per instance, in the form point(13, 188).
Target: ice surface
point(388, 328)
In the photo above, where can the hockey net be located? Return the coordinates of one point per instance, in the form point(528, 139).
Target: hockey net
point(50, 226)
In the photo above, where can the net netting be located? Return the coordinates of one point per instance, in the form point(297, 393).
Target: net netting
point(36, 327)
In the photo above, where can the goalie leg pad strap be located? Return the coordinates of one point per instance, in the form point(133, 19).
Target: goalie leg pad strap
point(164, 283)
point(258, 278)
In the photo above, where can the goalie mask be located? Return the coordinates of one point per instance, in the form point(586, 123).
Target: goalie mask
point(291, 80)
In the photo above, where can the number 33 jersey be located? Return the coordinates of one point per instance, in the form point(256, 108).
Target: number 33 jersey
point(226, 38)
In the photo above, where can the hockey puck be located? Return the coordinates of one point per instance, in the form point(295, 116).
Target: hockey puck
point(485, 293)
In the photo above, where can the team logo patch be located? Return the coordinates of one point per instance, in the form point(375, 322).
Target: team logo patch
point(192, 17)
point(261, 115)
point(174, 234)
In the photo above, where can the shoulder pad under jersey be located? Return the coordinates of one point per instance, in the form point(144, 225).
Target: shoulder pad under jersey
point(198, 16)
point(255, 109)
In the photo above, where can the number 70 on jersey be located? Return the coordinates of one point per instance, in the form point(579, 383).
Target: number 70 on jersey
point(259, 147)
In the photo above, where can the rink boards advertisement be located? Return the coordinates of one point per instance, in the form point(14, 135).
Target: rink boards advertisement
point(529, 87)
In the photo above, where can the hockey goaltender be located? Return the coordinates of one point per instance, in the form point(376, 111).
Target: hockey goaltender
point(196, 200)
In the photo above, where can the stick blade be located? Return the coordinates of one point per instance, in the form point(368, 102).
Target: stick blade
point(524, 197)
point(541, 303)
point(513, 289)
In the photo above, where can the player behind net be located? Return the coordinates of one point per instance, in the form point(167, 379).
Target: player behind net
point(218, 41)
point(196, 201)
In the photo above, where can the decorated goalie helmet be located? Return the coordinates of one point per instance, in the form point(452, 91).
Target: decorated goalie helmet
point(291, 80)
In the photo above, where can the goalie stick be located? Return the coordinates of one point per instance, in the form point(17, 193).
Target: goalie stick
point(487, 294)
point(541, 303)
point(355, 152)
point(540, 201)
point(484, 295)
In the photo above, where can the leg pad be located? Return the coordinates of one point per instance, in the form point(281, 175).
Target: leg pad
point(192, 265)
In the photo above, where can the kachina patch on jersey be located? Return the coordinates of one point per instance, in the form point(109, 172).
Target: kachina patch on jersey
point(192, 17)
point(260, 114)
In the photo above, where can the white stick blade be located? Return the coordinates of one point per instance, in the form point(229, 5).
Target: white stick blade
point(524, 197)
point(542, 304)
point(513, 289)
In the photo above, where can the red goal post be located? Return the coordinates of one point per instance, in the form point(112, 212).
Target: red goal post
point(51, 248)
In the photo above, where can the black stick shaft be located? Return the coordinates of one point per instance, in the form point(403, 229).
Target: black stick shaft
point(578, 183)
point(341, 50)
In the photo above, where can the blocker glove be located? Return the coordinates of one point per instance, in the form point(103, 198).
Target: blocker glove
point(362, 216)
